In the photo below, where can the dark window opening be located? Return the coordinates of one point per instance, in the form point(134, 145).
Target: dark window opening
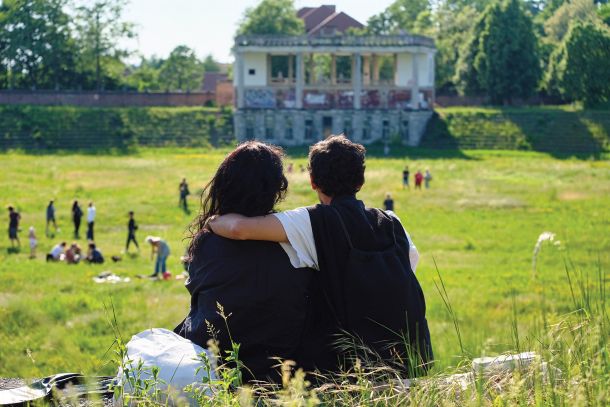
point(269, 130)
point(308, 129)
point(327, 126)
point(385, 131)
point(251, 71)
point(288, 128)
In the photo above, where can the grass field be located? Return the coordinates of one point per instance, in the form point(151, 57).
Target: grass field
point(478, 223)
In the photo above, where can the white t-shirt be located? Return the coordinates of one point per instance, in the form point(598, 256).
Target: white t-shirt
point(91, 214)
point(301, 248)
point(57, 251)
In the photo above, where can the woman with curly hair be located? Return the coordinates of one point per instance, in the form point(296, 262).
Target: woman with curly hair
point(261, 296)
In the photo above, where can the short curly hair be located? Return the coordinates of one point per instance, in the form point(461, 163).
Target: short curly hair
point(337, 166)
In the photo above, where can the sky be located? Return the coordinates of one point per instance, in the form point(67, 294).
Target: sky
point(208, 26)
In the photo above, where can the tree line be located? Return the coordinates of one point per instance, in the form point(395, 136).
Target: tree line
point(501, 49)
point(77, 45)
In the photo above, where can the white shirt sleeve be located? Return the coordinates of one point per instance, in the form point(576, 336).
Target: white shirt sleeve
point(301, 249)
point(413, 253)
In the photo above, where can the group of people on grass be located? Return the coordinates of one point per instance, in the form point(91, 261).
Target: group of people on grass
point(323, 285)
point(418, 178)
point(72, 254)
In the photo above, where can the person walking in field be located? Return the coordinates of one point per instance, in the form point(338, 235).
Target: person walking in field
point(388, 204)
point(51, 218)
point(77, 215)
point(33, 242)
point(90, 221)
point(419, 177)
point(13, 226)
point(427, 179)
point(161, 249)
point(183, 189)
point(405, 178)
point(131, 232)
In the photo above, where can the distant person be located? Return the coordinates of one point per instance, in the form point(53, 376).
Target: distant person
point(90, 221)
point(73, 254)
point(57, 252)
point(290, 168)
point(427, 178)
point(161, 249)
point(13, 226)
point(94, 255)
point(33, 242)
point(386, 150)
point(131, 232)
point(388, 204)
point(77, 215)
point(51, 217)
point(184, 193)
point(418, 179)
point(405, 178)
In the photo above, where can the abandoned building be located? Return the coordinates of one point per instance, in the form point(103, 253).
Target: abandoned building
point(295, 90)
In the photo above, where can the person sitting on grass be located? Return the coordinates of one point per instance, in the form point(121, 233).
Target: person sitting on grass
point(73, 254)
point(94, 255)
point(263, 296)
point(57, 252)
point(161, 249)
point(365, 289)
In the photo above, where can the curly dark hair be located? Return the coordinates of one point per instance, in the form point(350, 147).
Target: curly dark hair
point(250, 181)
point(337, 166)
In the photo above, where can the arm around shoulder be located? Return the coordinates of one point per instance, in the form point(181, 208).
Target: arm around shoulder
point(239, 227)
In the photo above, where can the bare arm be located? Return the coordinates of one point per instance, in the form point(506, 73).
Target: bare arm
point(239, 227)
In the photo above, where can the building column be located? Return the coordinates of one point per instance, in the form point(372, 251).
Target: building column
point(239, 67)
point(375, 69)
point(300, 82)
point(290, 70)
point(357, 81)
point(415, 86)
point(366, 74)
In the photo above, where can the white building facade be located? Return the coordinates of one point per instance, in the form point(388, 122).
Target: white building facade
point(297, 90)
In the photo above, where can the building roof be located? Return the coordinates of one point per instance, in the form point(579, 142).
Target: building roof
point(335, 23)
point(210, 79)
point(325, 20)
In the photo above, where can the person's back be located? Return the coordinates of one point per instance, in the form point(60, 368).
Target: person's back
point(264, 295)
point(368, 283)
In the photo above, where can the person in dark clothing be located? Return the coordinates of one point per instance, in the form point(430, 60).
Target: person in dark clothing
point(183, 189)
point(77, 215)
point(131, 232)
point(94, 255)
point(13, 226)
point(254, 281)
point(365, 289)
point(51, 217)
point(388, 204)
point(405, 178)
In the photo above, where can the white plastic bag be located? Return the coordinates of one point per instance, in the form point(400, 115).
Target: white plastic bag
point(176, 358)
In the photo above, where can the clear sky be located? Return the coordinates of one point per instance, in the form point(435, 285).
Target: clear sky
point(208, 26)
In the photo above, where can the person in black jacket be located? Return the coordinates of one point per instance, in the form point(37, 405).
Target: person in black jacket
point(264, 298)
point(131, 232)
point(77, 215)
point(366, 299)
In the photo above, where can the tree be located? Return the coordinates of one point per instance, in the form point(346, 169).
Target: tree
point(36, 46)
point(580, 67)
point(401, 15)
point(145, 77)
point(181, 70)
point(271, 17)
point(210, 65)
point(558, 24)
point(504, 53)
point(101, 28)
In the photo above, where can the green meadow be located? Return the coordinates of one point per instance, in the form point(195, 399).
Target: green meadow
point(475, 228)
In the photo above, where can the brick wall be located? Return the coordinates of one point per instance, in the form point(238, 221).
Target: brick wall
point(106, 99)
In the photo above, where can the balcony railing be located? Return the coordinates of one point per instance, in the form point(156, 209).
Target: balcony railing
point(369, 41)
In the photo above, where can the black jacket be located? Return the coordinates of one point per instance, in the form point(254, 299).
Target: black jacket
point(264, 297)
